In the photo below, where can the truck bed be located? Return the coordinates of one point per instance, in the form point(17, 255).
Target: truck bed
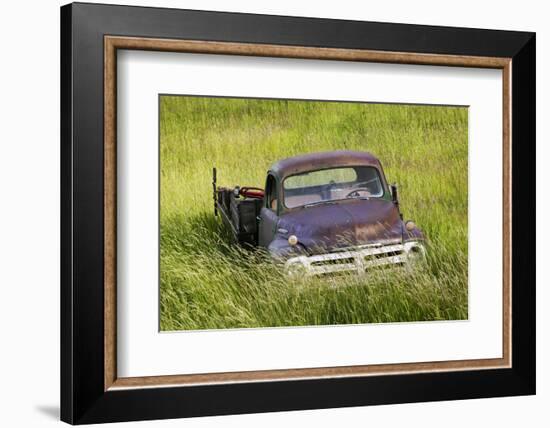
point(239, 214)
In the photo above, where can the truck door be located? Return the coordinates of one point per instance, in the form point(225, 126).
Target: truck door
point(268, 214)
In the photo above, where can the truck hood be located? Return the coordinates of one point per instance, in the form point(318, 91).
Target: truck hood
point(344, 224)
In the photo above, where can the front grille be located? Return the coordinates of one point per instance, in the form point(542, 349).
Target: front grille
point(359, 259)
point(339, 261)
point(378, 256)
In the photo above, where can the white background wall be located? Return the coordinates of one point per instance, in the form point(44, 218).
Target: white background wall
point(29, 213)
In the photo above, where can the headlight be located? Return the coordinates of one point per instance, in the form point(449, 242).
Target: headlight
point(296, 270)
point(292, 240)
point(410, 225)
point(415, 253)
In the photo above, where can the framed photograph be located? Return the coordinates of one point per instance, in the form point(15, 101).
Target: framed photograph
point(265, 213)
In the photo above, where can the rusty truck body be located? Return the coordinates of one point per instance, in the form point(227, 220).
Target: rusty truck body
point(321, 213)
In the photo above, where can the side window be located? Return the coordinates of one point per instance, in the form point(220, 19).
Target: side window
point(271, 193)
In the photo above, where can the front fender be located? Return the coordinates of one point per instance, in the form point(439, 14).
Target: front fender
point(415, 234)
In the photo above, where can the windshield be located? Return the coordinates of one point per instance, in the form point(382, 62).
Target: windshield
point(334, 184)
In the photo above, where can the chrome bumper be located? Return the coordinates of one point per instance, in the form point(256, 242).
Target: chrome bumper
point(358, 259)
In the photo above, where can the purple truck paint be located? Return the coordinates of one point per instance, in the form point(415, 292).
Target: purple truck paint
point(350, 221)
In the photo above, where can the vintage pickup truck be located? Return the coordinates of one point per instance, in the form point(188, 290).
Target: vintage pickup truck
point(322, 213)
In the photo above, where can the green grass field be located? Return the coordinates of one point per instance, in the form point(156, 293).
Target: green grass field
point(209, 283)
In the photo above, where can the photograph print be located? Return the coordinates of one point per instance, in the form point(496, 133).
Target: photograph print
point(287, 213)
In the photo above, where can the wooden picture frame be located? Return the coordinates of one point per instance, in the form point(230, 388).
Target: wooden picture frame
point(91, 390)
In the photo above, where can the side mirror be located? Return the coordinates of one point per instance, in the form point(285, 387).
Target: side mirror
point(394, 197)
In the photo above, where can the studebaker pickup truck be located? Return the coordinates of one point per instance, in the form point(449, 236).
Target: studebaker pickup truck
point(322, 213)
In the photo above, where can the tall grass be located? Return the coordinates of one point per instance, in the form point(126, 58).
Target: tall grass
point(209, 283)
